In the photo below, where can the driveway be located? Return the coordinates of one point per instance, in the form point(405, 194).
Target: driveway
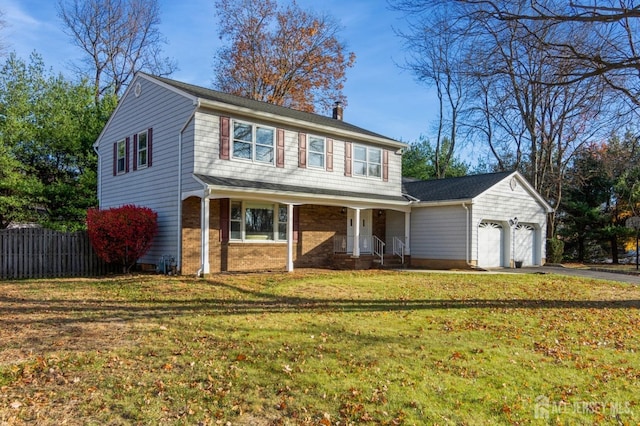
point(586, 273)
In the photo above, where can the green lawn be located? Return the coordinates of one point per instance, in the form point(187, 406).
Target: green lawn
point(320, 348)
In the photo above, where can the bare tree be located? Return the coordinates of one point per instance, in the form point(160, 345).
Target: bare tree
point(119, 38)
point(3, 25)
point(438, 58)
point(523, 102)
point(609, 51)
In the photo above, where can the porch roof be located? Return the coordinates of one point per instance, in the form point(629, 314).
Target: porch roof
point(294, 190)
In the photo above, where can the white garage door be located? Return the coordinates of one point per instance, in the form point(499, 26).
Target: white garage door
point(490, 245)
point(525, 244)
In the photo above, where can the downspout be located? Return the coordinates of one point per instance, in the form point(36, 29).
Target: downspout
point(179, 256)
point(99, 176)
point(466, 249)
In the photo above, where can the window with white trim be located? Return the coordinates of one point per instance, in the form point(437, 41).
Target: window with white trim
point(256, 221)
point(367, 161)
point(316, 152)
point(121, 156)
point(253, 142)
point(143, 150)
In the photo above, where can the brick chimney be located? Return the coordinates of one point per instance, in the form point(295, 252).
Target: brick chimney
point(337, 111)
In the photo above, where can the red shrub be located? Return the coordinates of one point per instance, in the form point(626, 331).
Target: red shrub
point(122, 234)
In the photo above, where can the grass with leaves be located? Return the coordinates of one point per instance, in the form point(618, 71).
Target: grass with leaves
point(320, 348)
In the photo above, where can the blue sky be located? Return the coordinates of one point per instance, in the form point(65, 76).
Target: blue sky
point(381, 96)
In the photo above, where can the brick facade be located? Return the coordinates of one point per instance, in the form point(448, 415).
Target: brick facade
point(314, 248)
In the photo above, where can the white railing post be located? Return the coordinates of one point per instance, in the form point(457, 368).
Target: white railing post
point(378, 248)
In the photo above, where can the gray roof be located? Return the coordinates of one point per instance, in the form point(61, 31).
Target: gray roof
point(248, 184)
point(214, 95)
point(451, 189)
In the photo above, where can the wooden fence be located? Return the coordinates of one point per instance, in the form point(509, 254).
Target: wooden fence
point(42, 253)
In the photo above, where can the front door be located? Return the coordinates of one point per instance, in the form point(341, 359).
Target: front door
point(365, 230)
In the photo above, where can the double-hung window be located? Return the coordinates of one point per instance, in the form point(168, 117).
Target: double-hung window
point(142, 157)
point(253, 142)
point(121, 156)
point(255, 221)
point(367, 161)
point(316, 152)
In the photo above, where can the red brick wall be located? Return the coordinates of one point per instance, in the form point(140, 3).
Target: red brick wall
point(318, 225)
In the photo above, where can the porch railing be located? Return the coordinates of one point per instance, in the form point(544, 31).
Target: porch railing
point(344, 244)
point(398, 248)
point(378, 248)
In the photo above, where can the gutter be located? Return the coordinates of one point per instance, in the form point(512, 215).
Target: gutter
point(179, 256)
point(99, 177)
point(467, 237)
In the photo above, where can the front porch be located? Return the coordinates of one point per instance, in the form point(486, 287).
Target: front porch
point(316, 236)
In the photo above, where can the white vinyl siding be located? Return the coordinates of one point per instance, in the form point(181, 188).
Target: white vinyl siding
point(206, 161)
point(438, 233)
point(166, 112)
point(500, 204)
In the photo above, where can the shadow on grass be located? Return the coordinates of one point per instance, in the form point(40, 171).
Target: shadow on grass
point(23, 310)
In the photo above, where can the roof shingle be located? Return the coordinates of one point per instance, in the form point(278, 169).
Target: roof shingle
point(451, 189)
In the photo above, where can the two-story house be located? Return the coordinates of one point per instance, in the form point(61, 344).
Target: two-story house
point(244, 185)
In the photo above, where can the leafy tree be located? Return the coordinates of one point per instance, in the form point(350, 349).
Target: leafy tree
point(118, 37)
point(587, 194)
point(48, 126)
point(420, 162)
point(282, 55)
point(18, 190)
point(122, 235)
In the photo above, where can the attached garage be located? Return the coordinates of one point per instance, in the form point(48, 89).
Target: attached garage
point(525, 244)
point(481, 221)
point(490, 244)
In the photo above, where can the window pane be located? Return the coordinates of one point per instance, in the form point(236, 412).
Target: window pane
point(142, 141)
point(360, 153)
point(316, 145)
point(375, 156)
point(316, 160)
point(359, 168)
point(264, 154)
point(142, 158)
point(242, 150)
point(236, 211)
point(282, 214)
point(259, 223)
point(235, 231)
point(282, 231)
point(121, 149)
point(264, 136)
point(242, 132)
point(374, 170)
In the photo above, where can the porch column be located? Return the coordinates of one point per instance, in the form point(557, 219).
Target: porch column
point(407, 232)
point(204, 227)
point(289, 237)
point(356, 233)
